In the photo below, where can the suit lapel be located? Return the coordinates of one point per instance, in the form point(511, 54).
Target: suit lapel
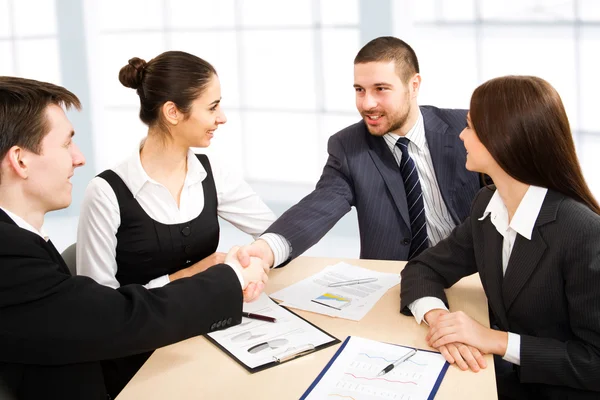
point(526, 254)
point(390, 172)
point(441, 148)
point(523, 260)
point(491, 272)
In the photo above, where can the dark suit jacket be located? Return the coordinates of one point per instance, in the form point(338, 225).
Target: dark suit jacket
point(549, 295)
point(55, 328)
point(361, 172)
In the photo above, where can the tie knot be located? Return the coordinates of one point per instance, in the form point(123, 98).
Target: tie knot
point(402, 144)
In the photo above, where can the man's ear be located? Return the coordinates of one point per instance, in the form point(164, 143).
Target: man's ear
point(415, 85)
point(16, 160)
point(171, 113)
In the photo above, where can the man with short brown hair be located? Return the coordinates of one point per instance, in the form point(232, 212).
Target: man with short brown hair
point(55, 328)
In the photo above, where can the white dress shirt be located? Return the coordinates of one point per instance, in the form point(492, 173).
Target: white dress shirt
point(438, 219)
point(522, 223)
point(100, 218)
point(21, 223)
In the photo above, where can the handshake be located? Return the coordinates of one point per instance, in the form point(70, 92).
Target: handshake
point(253, 263)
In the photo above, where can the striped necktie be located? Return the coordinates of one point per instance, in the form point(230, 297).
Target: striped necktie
point(414, 200)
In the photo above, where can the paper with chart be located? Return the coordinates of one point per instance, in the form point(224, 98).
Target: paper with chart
point(256, 342)
point(353, 373)
point(350, 302)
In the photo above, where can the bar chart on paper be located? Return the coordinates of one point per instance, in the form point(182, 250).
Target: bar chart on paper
point(352, 374)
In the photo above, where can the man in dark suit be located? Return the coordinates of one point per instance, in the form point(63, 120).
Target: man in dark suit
point(55, 328)
point(402, 167)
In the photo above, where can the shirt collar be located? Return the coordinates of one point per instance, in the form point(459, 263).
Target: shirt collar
point(21, 223)
point(138, 176)
point(527, 212)
point(416, 134)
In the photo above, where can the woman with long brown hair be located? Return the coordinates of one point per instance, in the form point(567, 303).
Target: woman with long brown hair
point(534, 238)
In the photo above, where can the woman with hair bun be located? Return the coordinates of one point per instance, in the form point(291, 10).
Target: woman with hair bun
point(154, 218)
point(534, 239)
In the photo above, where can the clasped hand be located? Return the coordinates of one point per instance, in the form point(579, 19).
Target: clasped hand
point(460, 339)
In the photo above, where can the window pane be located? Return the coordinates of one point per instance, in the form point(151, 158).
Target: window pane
point(281, 147)
point(527, 10)
point(5, 20)
point(589, 78)
point(448, 64)
point(38, 59)
point(458, 10)
point(278, 69)
point(219, 49)
point(116, 50)
point(6, 58)
point(131, 15)
point(201, 14)
point(589, 10)
point(40, 22)
point(588, 149)
point(339, 12)
point(339, 49)
point(120, 138)
point(276, 13)
point(443, 10)
point(547, 52)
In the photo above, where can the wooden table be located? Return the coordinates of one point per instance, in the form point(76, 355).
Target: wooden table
point(196, 369)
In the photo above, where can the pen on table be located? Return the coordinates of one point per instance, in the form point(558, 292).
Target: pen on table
point(398, 362)
point(352, 282)
point(258, 316)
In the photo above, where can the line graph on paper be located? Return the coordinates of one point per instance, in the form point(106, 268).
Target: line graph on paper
point(353, 375)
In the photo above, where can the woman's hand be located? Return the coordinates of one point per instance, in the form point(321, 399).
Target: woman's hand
point(200, 266)
point(458, 327)
point(464, 356)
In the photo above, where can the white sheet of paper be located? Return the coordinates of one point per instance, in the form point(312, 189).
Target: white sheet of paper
point(288, 333)
point(353, 374)
point(350, 302)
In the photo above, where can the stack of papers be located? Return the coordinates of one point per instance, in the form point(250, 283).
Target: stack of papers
point(350, 301)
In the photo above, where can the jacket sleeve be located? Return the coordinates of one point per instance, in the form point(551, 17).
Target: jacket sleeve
point(438, 267)
point(307, 222)
point(51, 318)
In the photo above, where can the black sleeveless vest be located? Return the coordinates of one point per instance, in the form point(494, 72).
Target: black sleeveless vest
point(148, 249)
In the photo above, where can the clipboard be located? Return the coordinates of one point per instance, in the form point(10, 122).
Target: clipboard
point(430, 389)
point(285, 356)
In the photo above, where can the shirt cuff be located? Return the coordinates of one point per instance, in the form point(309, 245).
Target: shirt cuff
point(280, 247)
point(158, 282)
point(237, 268)
point(513, 349)
point(422, 306)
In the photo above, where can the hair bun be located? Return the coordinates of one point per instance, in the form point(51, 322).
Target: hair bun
point(132, 74)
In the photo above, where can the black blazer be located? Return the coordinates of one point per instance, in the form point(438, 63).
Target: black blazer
point(55, 328)
point(361, 172)
point(550, 294)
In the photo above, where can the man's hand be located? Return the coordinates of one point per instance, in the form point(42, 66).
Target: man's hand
point(259, 248)
point(459, 327)
point(254, 275)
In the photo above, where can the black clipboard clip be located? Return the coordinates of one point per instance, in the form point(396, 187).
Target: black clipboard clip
point(290, 354)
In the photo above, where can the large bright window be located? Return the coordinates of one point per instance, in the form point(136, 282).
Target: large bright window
point(285, 68)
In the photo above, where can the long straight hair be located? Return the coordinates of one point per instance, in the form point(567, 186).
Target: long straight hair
point(522, 122)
